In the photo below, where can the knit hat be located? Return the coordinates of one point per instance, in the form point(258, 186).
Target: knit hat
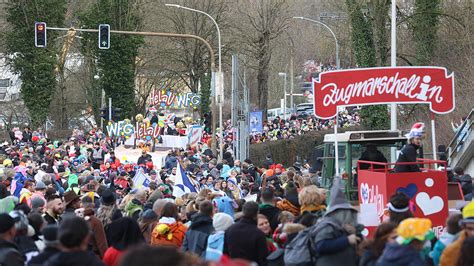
point(149, 215)
point(221, 221)
point(50, 234)
point(6, 222)
point(416, 131)
point(468, 213)
point(40, 185)
point(338, 201)
point(414, 228)
point(108, 197)
point(37, 202)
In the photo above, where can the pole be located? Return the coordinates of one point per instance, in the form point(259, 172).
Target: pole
point(338, 62)
point(393, 63)
point(221, 129)
point(102, 104)
point(433, 136)
point(284, 105)
point(292, 85)
point(110, 109)
point(336, 144)
point(220, 91)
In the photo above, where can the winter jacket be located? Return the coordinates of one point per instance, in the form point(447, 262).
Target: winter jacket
point(9, 254)
point(171, 162)
point(444, 240)
point(41, 258)
point(368, 258)
point(196, 236)
point(79, 258)
point(144, 159)
point(466, 183)
point(112, 256)
point(215, 246)
point(7, 204)
point(271, 212)
point(26, 245)
point(332, 245)
point(400, 255)
point(407, 154)
point(452, 252)
point(244, 240)
point(168, 233)
point(98, 240)
point(133, 209)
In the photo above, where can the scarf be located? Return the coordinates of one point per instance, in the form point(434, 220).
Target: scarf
point(312, 208)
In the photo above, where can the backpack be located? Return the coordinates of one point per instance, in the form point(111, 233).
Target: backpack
point(215, 247)
point(302, 249)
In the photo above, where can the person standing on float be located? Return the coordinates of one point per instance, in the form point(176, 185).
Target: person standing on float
point(409, 152)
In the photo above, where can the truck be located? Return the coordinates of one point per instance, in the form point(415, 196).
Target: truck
point(352, 145)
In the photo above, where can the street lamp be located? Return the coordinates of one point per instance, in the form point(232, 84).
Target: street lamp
point(219, 77)
point(282, 74)
point(338, 63)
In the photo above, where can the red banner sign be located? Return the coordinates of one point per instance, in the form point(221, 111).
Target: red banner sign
point(368, 86)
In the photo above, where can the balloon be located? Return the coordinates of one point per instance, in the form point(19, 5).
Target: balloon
point(139, 117)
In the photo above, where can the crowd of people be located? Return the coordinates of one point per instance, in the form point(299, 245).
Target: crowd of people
point(280, 128)
point(74, 202)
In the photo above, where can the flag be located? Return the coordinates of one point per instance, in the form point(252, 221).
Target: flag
point(194, 135)
point(182, 184)
point(140, 180)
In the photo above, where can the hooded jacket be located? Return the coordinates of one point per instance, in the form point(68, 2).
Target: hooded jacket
point(271, 212)
point(196, 236)
point(400, 255)
point(444, 240)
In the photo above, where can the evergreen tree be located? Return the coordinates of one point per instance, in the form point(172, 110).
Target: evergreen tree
point(35, 66)
point(117, 64)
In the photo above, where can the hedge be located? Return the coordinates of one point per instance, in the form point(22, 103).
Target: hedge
point(288, 151)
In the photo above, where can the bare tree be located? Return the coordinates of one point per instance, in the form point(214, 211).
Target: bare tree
point(258, 25)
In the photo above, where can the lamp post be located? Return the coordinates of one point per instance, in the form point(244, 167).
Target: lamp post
point(219, 93)
point(338, 63)
point(281, 74)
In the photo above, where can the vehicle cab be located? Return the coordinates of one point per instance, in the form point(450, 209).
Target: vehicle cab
point(372, 145)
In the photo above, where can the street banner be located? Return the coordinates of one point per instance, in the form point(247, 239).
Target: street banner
point(370, 86)
point(256, 122)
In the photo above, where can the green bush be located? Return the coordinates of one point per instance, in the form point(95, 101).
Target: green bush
point(288, 151)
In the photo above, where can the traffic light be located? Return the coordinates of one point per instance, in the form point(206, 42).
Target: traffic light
point(104, 36)
point(104, 113)
point(40, 34)
point(116, 113)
